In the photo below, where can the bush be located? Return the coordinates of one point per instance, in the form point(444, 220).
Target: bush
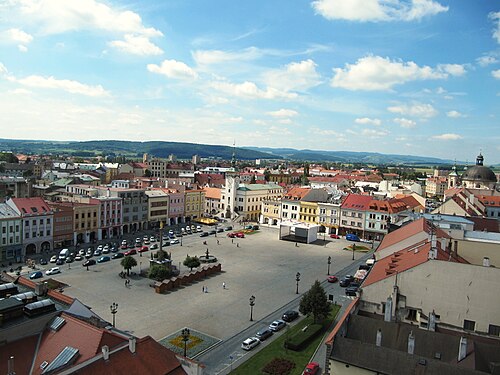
point(301, 339)
point(279, 366)
point(159, 273)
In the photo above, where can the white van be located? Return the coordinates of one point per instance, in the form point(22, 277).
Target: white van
point(64, 254)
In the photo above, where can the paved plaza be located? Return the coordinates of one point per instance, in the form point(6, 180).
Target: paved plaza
point(261, 266)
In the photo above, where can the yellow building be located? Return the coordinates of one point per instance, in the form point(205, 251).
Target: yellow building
point(271, 212)
point(158, 201)
point(194, 204)
point(309, 212)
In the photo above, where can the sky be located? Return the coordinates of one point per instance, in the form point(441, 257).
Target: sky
point(413, 77)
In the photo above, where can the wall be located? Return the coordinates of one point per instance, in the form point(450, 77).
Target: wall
point(339, 368)
point(474, 252)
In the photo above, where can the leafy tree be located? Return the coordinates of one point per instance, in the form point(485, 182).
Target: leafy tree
point(159, 272)
point(127, 263)
point(315, 302)
point(267, 175)
point(252, 181)
point(191, 262)
point(147, 173)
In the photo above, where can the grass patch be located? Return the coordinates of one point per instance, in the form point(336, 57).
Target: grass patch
point(276, 349)
point(361, 248)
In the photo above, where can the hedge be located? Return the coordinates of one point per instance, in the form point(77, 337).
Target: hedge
point(300, 339)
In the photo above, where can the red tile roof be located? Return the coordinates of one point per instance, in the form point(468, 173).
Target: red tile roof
point(212, 193)
point(22, 350)
point(490, 200)
point(296, 193)
point(411, 202)
point(390, 206)
point(356, 202)
point(32, 206)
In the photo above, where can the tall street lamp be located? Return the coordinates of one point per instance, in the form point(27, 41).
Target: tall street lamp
point(114, 310)
point(252, 304)
point(353, 248)
point(297, 279)
point(185, 333)
point(329, 262)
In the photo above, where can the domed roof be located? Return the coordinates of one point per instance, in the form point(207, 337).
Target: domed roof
point(479, 172)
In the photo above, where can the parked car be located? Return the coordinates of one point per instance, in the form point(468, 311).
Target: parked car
point(53, 271)
point(60, 262)
point(117, 255)
point(231, 235)
point(240, 235)
point(36, 275)
point(43, 262)
point(250, 343)
point(105, 250)
point(97, 252)
point(152, 239)
point(351, 237)
point(198, 228)
point(174, 241)
point(255, 227)
point(312, 368)
point(89, 262)
point(146, 242)
point(124, 247)
point(333, 235)
point(79, 257)
point(228, 228)
point(124, 242)
point(103, 259)
point(114, 249)
point(277, 325)
point(166, 243)
point(332, 279)
point(351, 291)
point(213, 231)
point(248, 226)
point(131, 252)
point(154, 246)
point(204, 234)
point(264, 334)
point(81, 252)
point(290, 315)
point(69, 260)
point(143, 249)
point(89, 255)
point(53, 259)
point(346, 280)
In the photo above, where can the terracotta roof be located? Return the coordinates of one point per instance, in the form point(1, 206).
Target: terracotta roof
point(22, 350)
point(150, 358)
point(296, 193)
point(32, 206)
point(356, 202)
point(410, 201)
point(391, 206)
point(452, 191)
point(485, 224)
point(490, 200)
point(334, 179)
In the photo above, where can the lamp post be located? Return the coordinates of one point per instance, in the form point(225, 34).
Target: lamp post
point(185, 333)
point(252, 304)
point(297, 279)
point(329, 262)
point(353, 248)
point(114, 310)
point(140, 267)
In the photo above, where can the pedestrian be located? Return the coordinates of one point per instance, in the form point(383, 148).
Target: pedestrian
point(232, 240)
point(206, 289)
point(296, 244)
point(238, 244)
point(218, 242)
point(203, 289)
point(223, 285)
point(126, 282)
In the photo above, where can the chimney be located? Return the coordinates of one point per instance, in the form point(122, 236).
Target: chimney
point(131, 344)
point(411, 343)
point(462, 350)
point(388, 310)
point(456, 247)
point(378, 341)
point(486, 262)
point(10, 366)
point(432, 321)
point(105, 352)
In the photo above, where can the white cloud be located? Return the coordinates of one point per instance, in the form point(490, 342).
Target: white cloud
point(137, 45)
point(377, 10)
point(208, 57)
point(495, 16)
point(366, 120)
point(378, 73)
point(452, 69)
point(22, 48)
point(282, 113)
point(296, 76)
point(3, 69)
point(17, 35)
point(249, 90)
point(405, 123)
point(496, 74)
point(73, 87)
point(372, 133)
point(173, 69)
point(447, 137)
point(486, 60)
point(414, 110)
point(454, 114)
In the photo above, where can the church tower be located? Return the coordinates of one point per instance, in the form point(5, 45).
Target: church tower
point(453, 178)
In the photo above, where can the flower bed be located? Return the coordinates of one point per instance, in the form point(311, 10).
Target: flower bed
point(279, 366)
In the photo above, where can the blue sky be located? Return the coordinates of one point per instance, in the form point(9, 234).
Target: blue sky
point(419, 77)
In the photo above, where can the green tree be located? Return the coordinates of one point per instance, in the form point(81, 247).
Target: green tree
point(147, 173)
point(159, 272)
point(191, 262)
point(252, 181)
point(315, 303)
point(127, 263)
point(267, 175)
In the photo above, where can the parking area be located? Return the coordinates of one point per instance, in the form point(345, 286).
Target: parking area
point(258, 265)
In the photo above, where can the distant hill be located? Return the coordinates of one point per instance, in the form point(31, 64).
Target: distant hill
point(184, 150)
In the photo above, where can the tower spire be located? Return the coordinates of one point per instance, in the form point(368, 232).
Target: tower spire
point(233, 158)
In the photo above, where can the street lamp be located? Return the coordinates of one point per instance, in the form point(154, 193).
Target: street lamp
point(252, 304)
point(114, 310)
point(297, 279)
point(329, 262)
point(185, 333)
point(353, 248)
point(140, 268)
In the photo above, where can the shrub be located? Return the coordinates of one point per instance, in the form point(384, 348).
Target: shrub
point(159, 272)
point(300, 339)
point(279, 366)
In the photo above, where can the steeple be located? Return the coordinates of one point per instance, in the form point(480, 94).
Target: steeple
point(479, 159)
point(233, 159)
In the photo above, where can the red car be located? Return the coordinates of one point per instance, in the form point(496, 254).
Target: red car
point(143, 249)
point(240, 235)
point(336, 236)
point(231, 235)
point(124, 247)
point(332, 279)
point(131, 252)
point(311, 369)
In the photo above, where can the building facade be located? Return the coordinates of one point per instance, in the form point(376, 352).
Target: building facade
point(11, 245)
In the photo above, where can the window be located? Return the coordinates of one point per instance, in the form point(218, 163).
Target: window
point(48, 221)
point(494, 330)
point(469, 325)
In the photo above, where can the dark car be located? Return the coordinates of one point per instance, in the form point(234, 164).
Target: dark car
point(60, 262)
point(290, 315)
point(69, 260)
point(89, 262)
point(255, 227)
point(351, 291)
point(36, 275)
point(364, 267)
point(228, 228)
point(103, 259)
point(220, 230)
point(354, 284)
point(213, 231)
point(117, 255)
point(264, 334)
point(346, 280)
point(43, 262)
point(204, 234)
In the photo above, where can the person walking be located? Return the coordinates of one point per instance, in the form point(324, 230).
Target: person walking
point(223, 285)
